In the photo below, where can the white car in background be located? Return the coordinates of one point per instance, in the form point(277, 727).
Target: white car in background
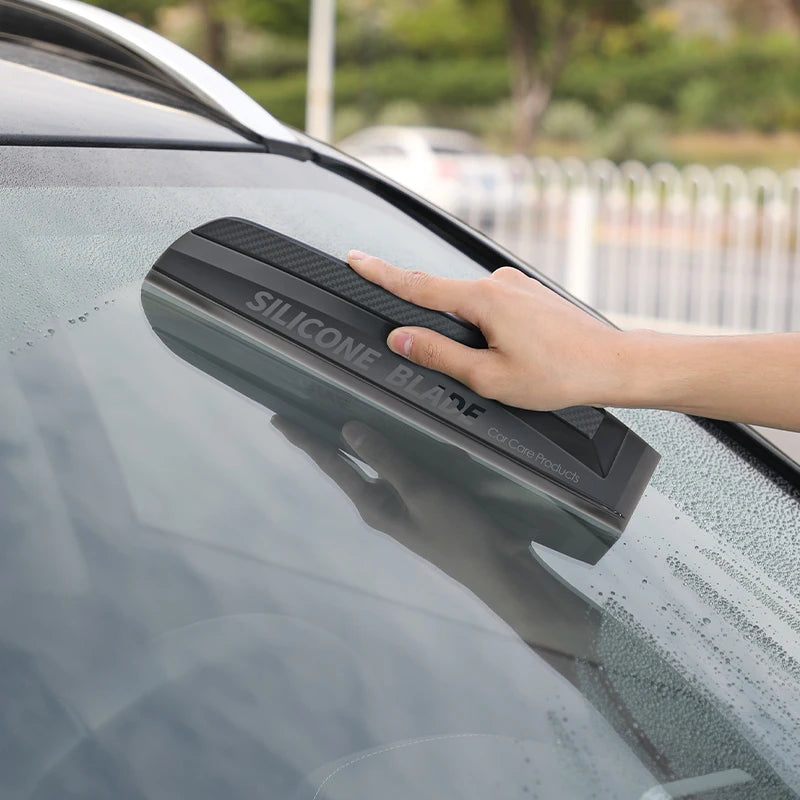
point(451, 168)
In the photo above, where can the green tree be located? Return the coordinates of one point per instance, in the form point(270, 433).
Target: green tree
point(442, 28)
point(794, 9)
point(541, 35)
point(538, 36)
point(764, 16)
point(289, 18)
point(212, 15)
point(286, 18)
point(214, 40)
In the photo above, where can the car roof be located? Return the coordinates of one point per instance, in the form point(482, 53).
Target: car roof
point(89, 76)
point(60, 109)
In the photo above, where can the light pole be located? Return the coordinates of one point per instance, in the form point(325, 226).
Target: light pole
point(319, 91)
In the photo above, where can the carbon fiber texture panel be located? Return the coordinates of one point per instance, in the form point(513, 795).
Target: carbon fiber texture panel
point(333, 275)
point(583, 418)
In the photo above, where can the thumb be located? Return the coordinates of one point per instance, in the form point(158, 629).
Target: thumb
point(434, 351)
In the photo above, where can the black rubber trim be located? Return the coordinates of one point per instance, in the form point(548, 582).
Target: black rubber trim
point(298, 152)
point(333, 275)
point(32, 140)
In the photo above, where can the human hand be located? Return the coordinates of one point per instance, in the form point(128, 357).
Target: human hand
point(543, 352)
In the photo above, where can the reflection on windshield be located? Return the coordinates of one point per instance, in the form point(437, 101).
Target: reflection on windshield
point(192, 605)
point(189, 608)
point(476, 527)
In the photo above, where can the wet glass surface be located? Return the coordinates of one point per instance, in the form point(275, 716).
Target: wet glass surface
point(214, 587)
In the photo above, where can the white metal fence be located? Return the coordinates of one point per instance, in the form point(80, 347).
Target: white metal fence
point(694, 247)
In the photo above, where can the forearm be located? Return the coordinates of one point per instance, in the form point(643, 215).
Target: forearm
point(545, 353)
point(752, 378)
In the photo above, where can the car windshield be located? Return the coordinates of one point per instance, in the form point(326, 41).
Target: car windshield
point(205, 593)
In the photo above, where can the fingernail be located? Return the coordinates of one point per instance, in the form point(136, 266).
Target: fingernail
point(356, 255)
point(400, 342)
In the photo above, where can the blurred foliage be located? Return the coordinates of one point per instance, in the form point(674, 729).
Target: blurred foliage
point(746, 83)
point(289, 18)
point(348, 120)
point(569, 121)
point(629, 76)
point(453, 84)
point(402, 112)
point(440, 28)
point(542, 37)
point(259, 55)
point(737, 86)
point(635, 131)
point(493, 123)
point(697, 103)
point(142, 11)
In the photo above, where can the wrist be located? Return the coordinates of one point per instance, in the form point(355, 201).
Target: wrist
point(635, 372)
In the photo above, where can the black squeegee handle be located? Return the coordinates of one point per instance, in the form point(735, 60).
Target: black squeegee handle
point(327, 273)
point(335, 276)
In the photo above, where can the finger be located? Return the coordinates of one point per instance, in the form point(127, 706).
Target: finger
point(461, 297)
point(440, 353)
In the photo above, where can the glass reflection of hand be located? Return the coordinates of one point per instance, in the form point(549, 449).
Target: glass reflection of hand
point(444, 525)
point(409, 503)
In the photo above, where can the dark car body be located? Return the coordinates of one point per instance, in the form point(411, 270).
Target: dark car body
point(222, 583)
